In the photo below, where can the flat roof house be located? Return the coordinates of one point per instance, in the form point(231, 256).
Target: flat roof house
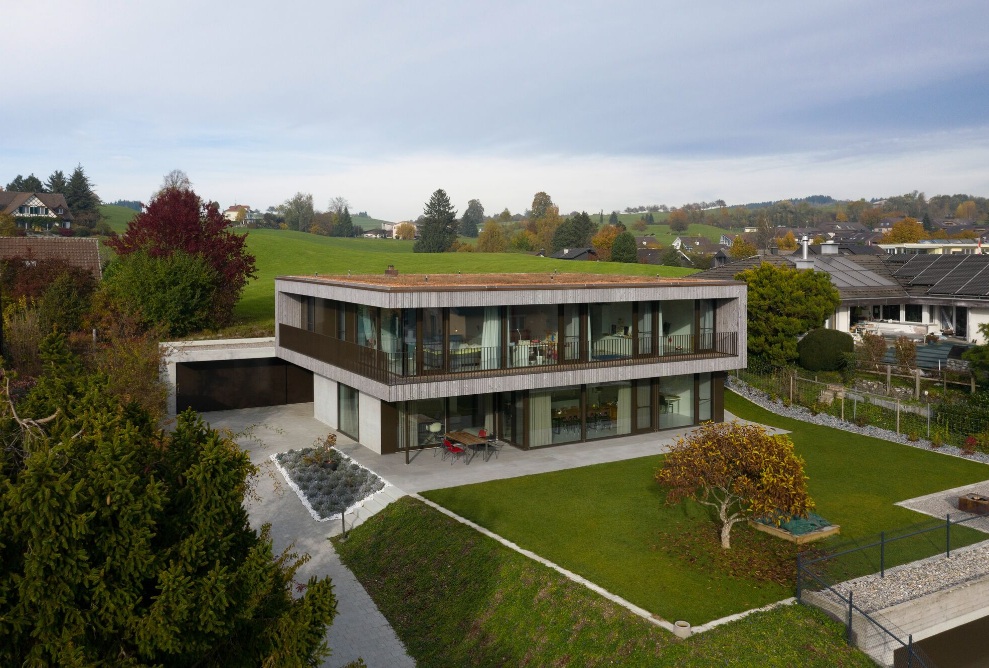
point(537, 359)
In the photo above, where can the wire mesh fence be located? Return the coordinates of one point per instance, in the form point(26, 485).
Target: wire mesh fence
point(825, 578)
point(942, 422)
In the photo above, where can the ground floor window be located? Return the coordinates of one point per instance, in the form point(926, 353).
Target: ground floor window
point(540, 418)
point(348, 411)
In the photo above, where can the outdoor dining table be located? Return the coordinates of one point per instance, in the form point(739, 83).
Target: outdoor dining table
point(469, 440)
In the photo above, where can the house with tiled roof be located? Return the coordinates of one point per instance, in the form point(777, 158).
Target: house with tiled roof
point(575, 254)
point(76, 252)
point(893, 294)
point(45, 210)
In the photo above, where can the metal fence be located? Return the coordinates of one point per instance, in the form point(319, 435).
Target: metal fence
point(940, 422)
point(820, 574)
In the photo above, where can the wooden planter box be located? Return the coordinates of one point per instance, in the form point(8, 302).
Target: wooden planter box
point(974, 503)
point(809, 537)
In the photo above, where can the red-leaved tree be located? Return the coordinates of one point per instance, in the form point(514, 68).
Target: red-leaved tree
point(178, 220)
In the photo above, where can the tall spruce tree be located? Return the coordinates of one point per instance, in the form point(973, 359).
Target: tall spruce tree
point(344, 226)
point(121, 544)
point(438, 230)
point(57, 183)
point(82, 201)
point(623, 250)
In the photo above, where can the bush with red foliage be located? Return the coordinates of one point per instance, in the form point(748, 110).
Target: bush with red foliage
point(178, 220)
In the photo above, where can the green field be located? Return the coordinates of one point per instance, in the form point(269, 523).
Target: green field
point(285, 253)
point(608, 522)
point(117, 217)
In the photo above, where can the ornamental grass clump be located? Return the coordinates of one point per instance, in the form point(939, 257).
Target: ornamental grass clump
point(329, 480)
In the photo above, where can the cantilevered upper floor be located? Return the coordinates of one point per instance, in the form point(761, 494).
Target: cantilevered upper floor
point(413, 336)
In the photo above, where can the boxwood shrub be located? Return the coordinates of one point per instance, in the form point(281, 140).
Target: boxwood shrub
point(824, 349)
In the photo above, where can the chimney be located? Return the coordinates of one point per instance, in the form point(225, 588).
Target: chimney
point(829, 248)
point(391, 270)
point(803, 262)
point(566, 251)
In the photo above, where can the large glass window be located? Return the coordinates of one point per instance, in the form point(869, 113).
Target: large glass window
point(348, 411)
point(915, 313)
point(609, 410)
point(475, 338)
point(610, 331)
point(465, 413)
point(424, 423)
point(571, 323)
point(554, 416)
point(645, 328)
point(643, 404)
point(367, 328)
point(533, 334)
point(891, 312)
point(676, 401)
point(706, 318)
point(704, 407)
point(678, 326)
point(432, 344)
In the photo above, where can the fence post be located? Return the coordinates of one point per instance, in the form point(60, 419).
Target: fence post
point(897, 416)
point(916, 387)
point(848, 629)
point(792, 381)
point(910, 651)
point(889, 379)
point(800, 577)
point(882, 554)
point(947, 535)
point(842, 407)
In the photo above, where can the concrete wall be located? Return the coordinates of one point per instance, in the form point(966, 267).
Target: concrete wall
point(369, 421)
point(325, 403)
point(943, 610)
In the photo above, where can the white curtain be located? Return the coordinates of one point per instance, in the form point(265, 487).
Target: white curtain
point(491, 339)
point(572, 340)
point(540, 419)
point(366, 336)
point(625, 408)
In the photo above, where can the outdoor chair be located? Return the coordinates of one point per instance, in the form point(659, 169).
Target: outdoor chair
point(493, 445)
point(453, 450)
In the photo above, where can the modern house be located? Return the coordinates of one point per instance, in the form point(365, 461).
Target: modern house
point(537, 359)
point(41, 209)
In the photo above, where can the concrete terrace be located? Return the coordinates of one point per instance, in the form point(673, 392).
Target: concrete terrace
point(360, 630)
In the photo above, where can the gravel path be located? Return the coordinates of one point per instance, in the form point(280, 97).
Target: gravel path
point(800, 413)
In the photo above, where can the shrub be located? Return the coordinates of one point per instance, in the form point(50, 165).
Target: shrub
point(824, 349)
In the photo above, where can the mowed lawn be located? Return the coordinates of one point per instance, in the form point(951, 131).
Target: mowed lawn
point(286, 253)
point(609, 523)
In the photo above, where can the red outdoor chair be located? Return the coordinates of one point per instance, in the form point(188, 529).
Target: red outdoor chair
point(453, 450)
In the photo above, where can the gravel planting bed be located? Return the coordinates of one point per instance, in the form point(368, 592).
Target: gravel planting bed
point(800, 413)
point(906, 583)
point(328, 481)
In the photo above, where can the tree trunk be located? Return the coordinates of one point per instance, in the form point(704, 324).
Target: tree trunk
point(726, 535)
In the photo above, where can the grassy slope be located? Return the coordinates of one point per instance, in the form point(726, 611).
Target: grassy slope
point(608, 522)
point(458, 598)
point(117, 216)
point(281, 253)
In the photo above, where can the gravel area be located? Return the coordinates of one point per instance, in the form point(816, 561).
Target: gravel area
point(906, 583)
point(800, 413)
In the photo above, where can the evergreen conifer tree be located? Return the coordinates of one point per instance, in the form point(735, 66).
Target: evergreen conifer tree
point(438, 230)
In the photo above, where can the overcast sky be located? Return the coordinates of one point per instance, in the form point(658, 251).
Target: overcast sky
point(601, 104)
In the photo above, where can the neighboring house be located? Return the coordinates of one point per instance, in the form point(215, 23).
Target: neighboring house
point(935, 247)
point(537, 359)
point(47, 209)
point(575, 254)
point(701, 245)
point(902, 294)
point(647, 241)
point(82, 253)
point(237, 213)
point(377, 234)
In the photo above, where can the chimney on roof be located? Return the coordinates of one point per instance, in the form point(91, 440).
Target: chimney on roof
point(829, 248)
point(803, 262)
point(391, 270)
point(566, 251)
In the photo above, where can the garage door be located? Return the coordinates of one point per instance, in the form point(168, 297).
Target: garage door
point(226, 384)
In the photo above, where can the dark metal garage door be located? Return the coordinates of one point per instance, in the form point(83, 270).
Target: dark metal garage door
point(226, 384)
